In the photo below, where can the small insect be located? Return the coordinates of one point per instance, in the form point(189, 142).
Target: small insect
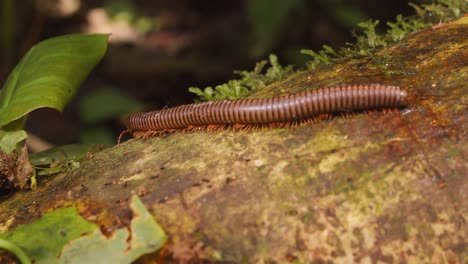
point(276, 110)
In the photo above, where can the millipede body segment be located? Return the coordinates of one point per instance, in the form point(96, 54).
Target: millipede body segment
point(282, 109)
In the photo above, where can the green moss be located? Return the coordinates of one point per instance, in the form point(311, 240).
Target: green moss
point(402, 26)
point(371, 39)
point(322, 57)
point(250, 82)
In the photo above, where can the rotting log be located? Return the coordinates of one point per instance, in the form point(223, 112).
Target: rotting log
point(381, 186)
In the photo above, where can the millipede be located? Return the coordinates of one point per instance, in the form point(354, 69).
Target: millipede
point(275, 110)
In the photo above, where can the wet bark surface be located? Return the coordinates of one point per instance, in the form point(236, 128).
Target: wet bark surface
point(386, 186)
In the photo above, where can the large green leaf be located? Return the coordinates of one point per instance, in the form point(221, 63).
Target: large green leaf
point(124, 246)
point(44, 239)
point(63, 236)
point(50, 74)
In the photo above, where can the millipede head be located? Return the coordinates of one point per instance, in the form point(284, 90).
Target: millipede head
point(403, 97)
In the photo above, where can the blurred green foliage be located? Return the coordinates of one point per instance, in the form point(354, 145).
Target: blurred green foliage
point(97, 134)
point(100, 106)
point(344, 12)
point(268, 19)
point(126, 11)
point(105, 103)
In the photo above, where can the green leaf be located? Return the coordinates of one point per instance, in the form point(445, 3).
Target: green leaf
point(106, 103)
point(62, 153)
point(50, 74)
point(44, 239)
point(63, 236)
point(10, 139)
point(145, 236)
point(17, 251)
point(11, 136)
point(52, 170)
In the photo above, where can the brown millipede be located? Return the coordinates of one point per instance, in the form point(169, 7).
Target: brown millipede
point(282, 109)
